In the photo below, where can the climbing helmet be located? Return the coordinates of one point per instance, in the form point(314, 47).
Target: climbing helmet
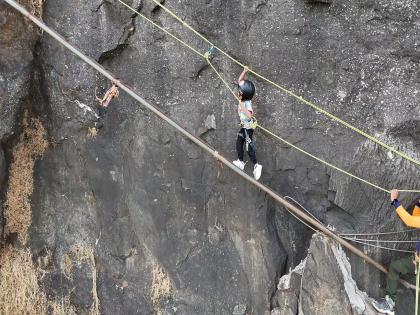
point(246, 90)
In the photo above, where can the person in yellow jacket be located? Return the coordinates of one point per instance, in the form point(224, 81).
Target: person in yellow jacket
point(411, 220)
point(401, 267)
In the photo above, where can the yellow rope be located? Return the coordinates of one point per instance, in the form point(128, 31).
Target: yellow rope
point(283, 89)
point(205, 56)
point(223, 80)
point(301, 150)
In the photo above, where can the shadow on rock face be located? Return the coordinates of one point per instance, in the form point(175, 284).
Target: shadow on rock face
point(320, 1)
point(2, 167)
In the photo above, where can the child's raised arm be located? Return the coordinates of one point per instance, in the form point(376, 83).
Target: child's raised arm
point(243, 74)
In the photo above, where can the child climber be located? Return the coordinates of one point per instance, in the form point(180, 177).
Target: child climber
point(246, 93)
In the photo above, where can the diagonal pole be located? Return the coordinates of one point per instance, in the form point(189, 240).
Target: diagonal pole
point(292, 208)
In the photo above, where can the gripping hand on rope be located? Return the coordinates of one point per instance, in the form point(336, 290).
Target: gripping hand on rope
point(109, 95)
point(412, 220)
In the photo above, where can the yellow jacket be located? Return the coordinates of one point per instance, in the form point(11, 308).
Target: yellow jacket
point(411, 220)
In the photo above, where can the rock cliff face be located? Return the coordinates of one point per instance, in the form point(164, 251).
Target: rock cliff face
point(321, 284)
point(128, 217)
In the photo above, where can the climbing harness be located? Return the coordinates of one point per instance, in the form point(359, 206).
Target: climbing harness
point(281, 88)
point(248, 141)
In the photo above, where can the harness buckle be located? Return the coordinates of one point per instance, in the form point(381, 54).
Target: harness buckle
point(209, 53)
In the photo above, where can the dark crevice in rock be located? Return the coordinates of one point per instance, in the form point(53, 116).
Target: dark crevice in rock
point(412, 54)
point(260, 6)
point(320, 2)
point(138, 9)
point(255, 16)
point(110, 54)
point(39, 89)
point(123, 41)
point(196, 75)
point(101, 4)
point(33, 104)
point(157, 8)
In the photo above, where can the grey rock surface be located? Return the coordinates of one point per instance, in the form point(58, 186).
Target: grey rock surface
point(327, 285)
point(3, 170)
point(142, 196)
point(3, 167)
point(322, 284)
point(286, 299)
point(17, 40)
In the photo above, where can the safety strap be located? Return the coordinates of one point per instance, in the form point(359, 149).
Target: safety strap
point(248, 141)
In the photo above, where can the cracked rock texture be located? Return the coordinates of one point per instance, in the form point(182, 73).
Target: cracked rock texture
point(322, 284)
point(146, 199)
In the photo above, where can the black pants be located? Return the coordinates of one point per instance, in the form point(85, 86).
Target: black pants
point(240, 141)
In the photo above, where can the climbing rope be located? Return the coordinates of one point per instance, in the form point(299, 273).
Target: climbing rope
point(353, 235)
point(352, 239)
point(358, 241)
point(381, 241)
point(380, 233)
point(206, 57)
point(306, 210)
point(283, 89)
point(378, 246)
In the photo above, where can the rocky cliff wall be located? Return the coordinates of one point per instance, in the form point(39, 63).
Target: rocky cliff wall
point(169, 229)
